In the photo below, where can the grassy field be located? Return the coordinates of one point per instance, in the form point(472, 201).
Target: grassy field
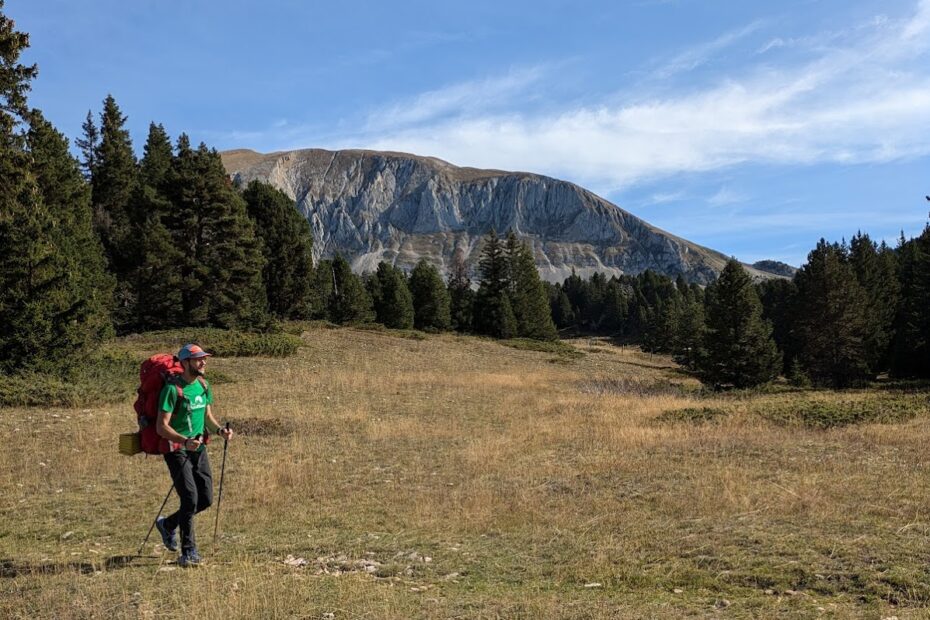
point(384, 475)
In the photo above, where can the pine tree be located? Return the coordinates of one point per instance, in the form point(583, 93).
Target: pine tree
point(831, 322)
point(493, 314)
point(738, 348)
point(156, 280)
point(911, 348)
point(391, 297)
point(84, 294)
point(527, 294)
point(689, 336)
point(321, 291)
point(88, 145)
point(778, 297)
point(431, 301)
point(221, 268)
point(561, 308)
point(876, 271)
point(461, 296)
point(156, 158)
point(287, 245)
point(113, 182)
point(51, 289)
point(349, 302)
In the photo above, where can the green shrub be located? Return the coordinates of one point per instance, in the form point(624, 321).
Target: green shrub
point(693, 415)
point(546, 346)
point(99, 378)
point(829, 414)
point(222, 342)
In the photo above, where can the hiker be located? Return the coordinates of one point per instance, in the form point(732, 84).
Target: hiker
point(182, 422)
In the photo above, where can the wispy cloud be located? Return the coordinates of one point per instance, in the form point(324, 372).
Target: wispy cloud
point(865, 101)
point(726, 196)
point(863, 98)
point(696, 56)
point(474, 96)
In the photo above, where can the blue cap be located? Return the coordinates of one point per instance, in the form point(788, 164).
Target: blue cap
point(191, 351)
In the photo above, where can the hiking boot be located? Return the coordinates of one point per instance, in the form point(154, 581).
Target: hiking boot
point(189, 558)
point(168, 539)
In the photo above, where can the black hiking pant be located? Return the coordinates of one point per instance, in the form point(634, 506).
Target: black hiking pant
point(193, 481)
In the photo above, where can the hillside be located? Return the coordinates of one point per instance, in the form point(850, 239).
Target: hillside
point(395, 207)
point(394, 475)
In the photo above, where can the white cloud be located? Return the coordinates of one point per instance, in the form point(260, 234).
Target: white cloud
point(695, 57)
point(865, 101)
point(726, 196)
point(473, 95)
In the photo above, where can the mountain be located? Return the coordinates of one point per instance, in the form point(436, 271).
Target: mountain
point(775, 267)
point(372, 206)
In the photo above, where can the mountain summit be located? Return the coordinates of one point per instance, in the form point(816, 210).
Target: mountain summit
point(373, 206)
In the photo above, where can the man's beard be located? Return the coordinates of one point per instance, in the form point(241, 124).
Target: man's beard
point(197, 372)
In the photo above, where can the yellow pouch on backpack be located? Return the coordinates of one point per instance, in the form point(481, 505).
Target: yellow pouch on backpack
point(129, 444)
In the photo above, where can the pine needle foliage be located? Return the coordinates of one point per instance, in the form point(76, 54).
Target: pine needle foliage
point(738, 347)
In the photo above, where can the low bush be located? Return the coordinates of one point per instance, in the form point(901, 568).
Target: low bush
point(828, 413)
point(693, 415)
point(99, 378)
point(226, 343)
point(546, 346)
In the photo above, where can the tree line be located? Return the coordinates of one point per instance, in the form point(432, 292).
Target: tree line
point(852, 312)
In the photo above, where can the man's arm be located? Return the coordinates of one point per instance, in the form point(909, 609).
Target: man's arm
point(163, 428)
point(214, 427)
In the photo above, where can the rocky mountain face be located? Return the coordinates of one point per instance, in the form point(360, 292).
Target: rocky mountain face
point(373, 206)
point(776, 267)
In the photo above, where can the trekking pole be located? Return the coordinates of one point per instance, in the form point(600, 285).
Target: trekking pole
point(154, 521)
point(219, 499)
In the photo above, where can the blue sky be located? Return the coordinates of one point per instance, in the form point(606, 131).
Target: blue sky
point(752, 128)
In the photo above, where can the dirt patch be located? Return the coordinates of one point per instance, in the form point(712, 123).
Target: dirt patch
point(267, 427)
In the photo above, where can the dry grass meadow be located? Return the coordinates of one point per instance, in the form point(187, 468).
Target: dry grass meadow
point(378, 475)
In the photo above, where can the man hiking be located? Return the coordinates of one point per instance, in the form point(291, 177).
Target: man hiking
point(183, 415)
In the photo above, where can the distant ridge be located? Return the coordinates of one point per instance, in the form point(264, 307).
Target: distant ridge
point(776, 267)
point(371, 206)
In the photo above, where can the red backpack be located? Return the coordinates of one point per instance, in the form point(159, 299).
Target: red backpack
point(155, 372)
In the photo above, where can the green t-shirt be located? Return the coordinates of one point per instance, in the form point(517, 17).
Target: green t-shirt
point(187, 419)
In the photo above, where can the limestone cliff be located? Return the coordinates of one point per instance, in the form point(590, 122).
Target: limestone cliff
point(372, 206)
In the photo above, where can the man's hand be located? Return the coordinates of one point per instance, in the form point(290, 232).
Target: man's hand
point(192, 444)
point(226, 433)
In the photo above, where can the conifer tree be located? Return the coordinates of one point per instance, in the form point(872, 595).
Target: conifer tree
point(287, 245)
point(349, 302)
point(831, 322)
point(156, 158)
point(493, 314)
point(156, 280)
point(562, 314)
point(876, 271)
point(689, 336)
point(81, 316)
point(778, 297)
point(221, 263)
point(321, 291)
point(113, 182)
point(911, 352)
point(528, 296)
point(431, 301)
point(461, 296)
point(88, 144)
point(738, 348)
point(391, 297)
point(50, 293)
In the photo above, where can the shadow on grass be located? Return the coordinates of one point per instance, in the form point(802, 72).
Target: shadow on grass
point(11, 568)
